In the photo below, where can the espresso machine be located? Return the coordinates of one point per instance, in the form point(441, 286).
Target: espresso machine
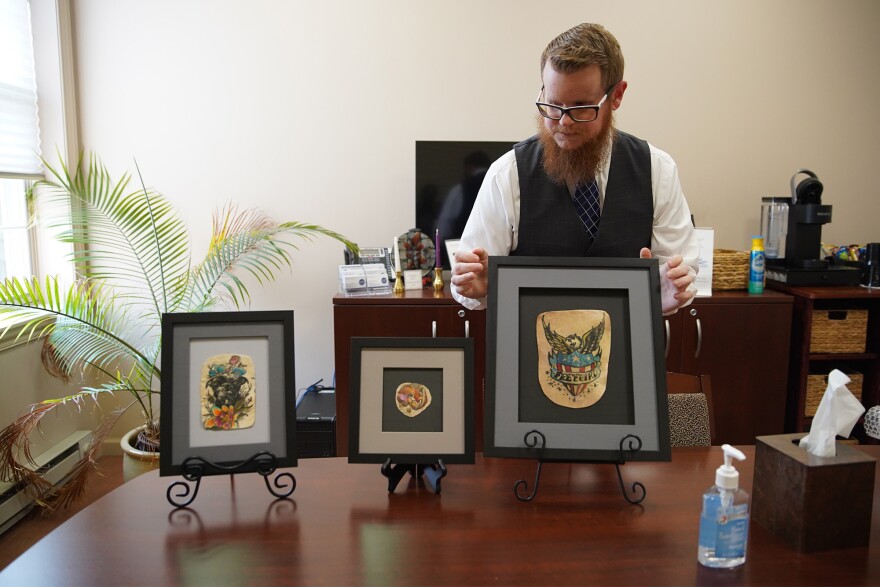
point(792, 231)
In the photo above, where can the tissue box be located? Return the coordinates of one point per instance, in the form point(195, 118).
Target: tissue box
point(812, 503)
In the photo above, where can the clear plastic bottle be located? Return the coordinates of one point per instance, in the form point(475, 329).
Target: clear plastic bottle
point(724, 521)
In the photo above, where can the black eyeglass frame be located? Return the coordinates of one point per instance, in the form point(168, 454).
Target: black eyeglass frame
point(568, 110)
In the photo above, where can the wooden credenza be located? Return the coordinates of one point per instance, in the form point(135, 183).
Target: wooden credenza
point(415, 313)
point(742, 342)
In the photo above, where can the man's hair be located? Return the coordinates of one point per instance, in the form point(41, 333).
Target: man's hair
point(584, 45)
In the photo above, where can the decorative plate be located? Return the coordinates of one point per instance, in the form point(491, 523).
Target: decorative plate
point(416, 251)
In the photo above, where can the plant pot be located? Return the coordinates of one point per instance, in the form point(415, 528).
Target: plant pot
point(136, 462)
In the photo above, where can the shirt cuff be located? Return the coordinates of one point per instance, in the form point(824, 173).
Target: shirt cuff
point(469, 303)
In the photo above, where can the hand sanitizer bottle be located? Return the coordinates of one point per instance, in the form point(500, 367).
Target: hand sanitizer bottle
point(724, 522)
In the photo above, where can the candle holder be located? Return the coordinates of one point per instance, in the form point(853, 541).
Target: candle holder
point(398, 284)
point(438, 279)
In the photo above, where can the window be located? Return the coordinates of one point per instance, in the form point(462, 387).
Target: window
point(19, 136)
point(15, 241)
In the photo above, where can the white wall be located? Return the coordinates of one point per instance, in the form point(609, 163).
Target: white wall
point(310, 110)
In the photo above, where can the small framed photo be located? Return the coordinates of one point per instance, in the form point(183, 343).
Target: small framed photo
point(228, 390)
point(575, 351)
point(451, 247)
point(411, 400)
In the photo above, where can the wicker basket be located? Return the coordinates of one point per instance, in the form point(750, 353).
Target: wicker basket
point(839, 331)
point(730, 269)
point(816, 385)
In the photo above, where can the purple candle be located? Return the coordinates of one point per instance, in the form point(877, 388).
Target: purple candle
point(437, 247)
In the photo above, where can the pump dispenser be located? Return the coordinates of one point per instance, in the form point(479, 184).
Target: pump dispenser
point(724, 521)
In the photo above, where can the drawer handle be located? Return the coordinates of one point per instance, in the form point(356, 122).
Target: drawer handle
point(434, 329)
point(467, 328)
point(699, 339)
point(666, 325)
point(461, 313)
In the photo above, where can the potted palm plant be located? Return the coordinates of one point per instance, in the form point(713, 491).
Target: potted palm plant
point(131, 250)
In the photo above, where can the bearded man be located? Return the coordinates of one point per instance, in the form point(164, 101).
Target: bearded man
point(580, 187)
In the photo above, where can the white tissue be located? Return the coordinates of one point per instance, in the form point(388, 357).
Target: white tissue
point(837, 414)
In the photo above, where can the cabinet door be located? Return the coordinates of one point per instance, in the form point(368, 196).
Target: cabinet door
point(745, 349)
point(472, 324)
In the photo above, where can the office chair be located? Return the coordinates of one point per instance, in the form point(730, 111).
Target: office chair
point(691, 417)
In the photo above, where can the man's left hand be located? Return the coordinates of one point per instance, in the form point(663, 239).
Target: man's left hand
point(675, 277)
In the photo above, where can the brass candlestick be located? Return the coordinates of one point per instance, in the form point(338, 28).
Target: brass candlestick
point(438, 279)
point(398, 284)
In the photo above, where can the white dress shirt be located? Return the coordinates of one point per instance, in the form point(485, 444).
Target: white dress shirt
point(494, 221)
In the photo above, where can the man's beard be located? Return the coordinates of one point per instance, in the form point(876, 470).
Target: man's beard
point(575, 165)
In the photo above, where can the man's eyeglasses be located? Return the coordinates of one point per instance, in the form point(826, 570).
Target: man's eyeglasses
point(576, 113)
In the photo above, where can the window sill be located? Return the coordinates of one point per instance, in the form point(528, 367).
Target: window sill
point(11, 337)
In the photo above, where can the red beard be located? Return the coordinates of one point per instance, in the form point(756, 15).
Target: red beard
point(575, 165)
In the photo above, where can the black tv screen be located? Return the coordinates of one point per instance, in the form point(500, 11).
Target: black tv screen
point(448, 176)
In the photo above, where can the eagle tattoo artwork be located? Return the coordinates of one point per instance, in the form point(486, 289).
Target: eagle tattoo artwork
point(576, 346)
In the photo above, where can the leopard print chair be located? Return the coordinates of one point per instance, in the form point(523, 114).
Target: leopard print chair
point(691, 421)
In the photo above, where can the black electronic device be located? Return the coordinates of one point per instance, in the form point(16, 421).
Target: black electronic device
point(803, 263)
point(448, 177)
point(316, 425)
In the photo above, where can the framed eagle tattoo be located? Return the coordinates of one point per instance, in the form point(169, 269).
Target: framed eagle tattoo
point(575, 347)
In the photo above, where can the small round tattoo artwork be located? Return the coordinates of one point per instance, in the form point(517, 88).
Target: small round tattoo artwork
point(412, 398)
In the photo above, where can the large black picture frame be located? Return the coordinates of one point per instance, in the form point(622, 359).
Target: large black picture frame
point(188, 340)
point(377, 366)
point(634, 403)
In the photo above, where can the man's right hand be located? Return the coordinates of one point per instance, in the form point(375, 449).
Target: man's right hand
point(471, 273)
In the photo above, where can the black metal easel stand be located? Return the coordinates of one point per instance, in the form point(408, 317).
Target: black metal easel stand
point(433, 473)
point(531, 440)
point(194, 468)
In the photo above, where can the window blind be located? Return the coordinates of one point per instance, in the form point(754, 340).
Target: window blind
point(19, 122)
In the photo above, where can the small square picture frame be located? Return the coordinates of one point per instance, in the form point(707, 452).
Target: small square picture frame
point(263, 343)
point(380, 429)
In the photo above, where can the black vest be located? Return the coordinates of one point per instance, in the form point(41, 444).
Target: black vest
point(548, 222)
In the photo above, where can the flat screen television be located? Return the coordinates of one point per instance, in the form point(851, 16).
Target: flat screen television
point(448, 176)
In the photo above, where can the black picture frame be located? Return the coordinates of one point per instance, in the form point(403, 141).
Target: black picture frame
point(634, 401)
point(378, 366)
point(189, 341)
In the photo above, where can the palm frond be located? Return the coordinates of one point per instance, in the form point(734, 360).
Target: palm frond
point(18, 466)
point(82, 321)
point(134, 240)
point(250, 241)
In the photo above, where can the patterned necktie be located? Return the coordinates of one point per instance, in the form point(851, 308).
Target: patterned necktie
point(586, 201)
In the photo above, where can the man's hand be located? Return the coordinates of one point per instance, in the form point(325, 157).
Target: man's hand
point(471, 273)
point(675, 277)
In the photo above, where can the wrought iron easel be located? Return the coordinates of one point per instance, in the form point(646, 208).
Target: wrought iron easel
point(194, 468)
point(531, 439)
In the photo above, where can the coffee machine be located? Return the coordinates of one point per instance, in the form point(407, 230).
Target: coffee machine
point(800, 262)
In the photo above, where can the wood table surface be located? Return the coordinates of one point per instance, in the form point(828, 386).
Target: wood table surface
point(342, 527)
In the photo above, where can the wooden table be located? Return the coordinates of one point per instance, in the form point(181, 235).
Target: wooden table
point(342, 527)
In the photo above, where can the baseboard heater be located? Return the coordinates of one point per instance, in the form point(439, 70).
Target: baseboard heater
point(54, 465)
